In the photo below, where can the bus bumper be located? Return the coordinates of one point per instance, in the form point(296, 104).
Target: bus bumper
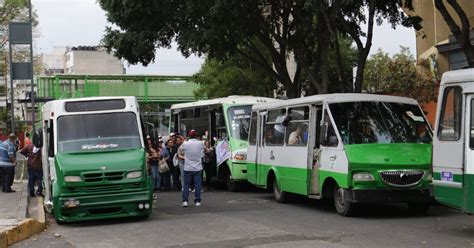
point(239, 171)
point(93, 207)
point(388, 196)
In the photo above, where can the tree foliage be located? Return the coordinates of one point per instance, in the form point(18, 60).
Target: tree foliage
point(271, 34)
point(460, 32)
point(234, 76)
point(399, 75)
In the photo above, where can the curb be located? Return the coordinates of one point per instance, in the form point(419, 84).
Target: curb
point(26, 227)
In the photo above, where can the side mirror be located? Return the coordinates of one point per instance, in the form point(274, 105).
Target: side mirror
point(38, 138)
point(286, 121)
point(323, 133)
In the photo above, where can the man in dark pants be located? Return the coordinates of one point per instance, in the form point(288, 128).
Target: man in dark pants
point(35, 169)
point(8, 156)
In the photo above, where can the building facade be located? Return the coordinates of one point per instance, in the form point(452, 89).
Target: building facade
point(435, 41)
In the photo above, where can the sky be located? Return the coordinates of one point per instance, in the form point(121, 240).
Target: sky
point(82, 22)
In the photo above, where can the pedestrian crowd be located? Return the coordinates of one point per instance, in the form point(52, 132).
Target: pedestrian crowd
point(8, 161)
point(178, 164)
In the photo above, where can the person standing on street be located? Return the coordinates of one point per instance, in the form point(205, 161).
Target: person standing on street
point(193, 150)
point(152, 159)
point(174, 170)
point(35, 169)
point(9, 161)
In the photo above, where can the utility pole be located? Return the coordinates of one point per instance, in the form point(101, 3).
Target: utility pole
point(21, 33)
point(32, 94)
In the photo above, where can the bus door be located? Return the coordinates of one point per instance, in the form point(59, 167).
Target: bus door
point(448, 148)
point(332, 160)
point(260, 174)
point(469, 155)
point(316, 113)
point(49, 169)
point(252, 150)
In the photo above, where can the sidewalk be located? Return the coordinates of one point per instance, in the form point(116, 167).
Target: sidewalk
point(13, 206)
point(16, 222)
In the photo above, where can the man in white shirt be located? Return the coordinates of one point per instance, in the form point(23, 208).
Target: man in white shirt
point(193, 150)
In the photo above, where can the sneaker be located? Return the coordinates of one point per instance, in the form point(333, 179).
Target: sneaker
point(193, 190)
point(185, 204)
point(198, 204)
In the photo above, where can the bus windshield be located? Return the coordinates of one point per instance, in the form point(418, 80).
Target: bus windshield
point(240, 121)
point(98, 132)
point(380, 123)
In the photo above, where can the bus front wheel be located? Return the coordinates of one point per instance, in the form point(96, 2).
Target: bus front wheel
point(280, 196)
point(230, 183)
point(343, 207)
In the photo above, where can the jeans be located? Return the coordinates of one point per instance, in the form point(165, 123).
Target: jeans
point(181, 174)
point(33, 176)
point(155, 177)
point(8, 176)
point(194, 176)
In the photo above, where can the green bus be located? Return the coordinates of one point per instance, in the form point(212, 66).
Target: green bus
point(453, 142)
point(94, 159)
point(352, 148)
point(225, 122)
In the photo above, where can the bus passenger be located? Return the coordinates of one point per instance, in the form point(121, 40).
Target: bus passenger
point(296, 136)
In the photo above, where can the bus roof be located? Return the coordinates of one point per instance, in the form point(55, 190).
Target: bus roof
point(458, 76)
point(333, 98)
point(228, 100)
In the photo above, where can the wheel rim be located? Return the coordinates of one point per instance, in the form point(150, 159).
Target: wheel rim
point(340, 202)
point(276, 190)
point(230, 182)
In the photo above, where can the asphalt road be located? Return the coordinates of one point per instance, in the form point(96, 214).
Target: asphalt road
point(253, 219)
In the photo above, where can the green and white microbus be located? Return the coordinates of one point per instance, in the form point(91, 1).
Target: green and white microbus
point(94, 159)
point(225, 122)
point(353, 148)
point(453, 142)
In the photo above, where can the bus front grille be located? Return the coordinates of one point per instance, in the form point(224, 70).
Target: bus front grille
point(103, 176)
point(402, 178)
point(103, 188)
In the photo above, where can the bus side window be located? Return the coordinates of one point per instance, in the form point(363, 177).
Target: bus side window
point(450, 119)
point(331, 138)
point(319, 116)
point(50, 139)
point(253, 129)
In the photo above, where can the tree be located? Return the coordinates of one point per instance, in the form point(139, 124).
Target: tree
point(399, 75)
point(235, 76)
point(353, 14)
point(306, 29)
point(460, 32)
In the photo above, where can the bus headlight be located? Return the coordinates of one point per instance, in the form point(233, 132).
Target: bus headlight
point(240, 156)
point(363, 177)
point(72, 179)
point(134, 174)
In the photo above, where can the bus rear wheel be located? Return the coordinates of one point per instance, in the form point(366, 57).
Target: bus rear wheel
point(343, 207)
point(279, 195)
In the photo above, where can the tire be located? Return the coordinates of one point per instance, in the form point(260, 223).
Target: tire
point(230, 184)
point(343, 207)
point(418, 208)
point(279, 195)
